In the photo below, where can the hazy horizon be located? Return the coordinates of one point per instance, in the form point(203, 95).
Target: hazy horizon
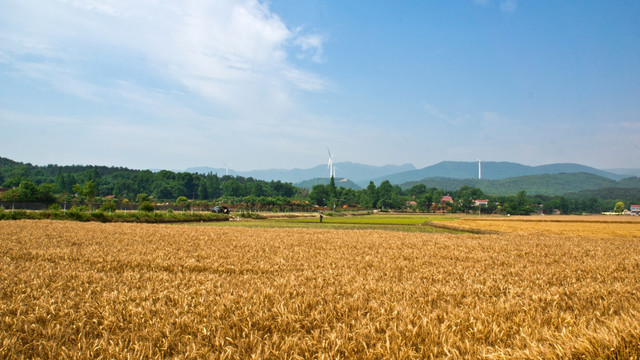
point(309, 167)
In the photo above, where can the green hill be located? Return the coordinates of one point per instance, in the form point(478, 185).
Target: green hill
point(547, 184)
point(491, 170)
point(630, 195)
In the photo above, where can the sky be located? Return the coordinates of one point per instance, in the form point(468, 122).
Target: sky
point(250, 84)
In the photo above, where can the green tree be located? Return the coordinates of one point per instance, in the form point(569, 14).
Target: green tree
point(319, 195)
point(385, 194)
point(140, 198)
point(125, 203)
point(232, 188)
point(213, 185)
point(619, 207)
point(27, 191)
point(108, 206)
point(370, 196)
point(46, 193)
point(417, 190)
point(162, 191)
point(146, 206)
point(203, 192)
point(332, 188)
point(87, 190)
point(182, 202)
point(90, 191)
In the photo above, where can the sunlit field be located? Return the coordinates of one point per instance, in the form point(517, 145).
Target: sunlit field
point(573, 226)
point(528, 289)
point(407, 223)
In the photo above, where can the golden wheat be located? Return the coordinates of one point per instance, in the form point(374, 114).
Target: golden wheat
point(90, 290)
point(574, 226)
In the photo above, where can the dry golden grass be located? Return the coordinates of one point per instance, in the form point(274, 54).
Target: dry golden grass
point(90, 290)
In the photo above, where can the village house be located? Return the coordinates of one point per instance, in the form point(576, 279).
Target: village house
point(480, 202)
point(410, 204)
point(446, 199)
point(635, 209)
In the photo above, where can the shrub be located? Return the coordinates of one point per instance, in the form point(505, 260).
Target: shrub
point(54, 207)
point(100, 216)
point(79, 215)
point(146, 206)
point(108, 206)
point(79, 209)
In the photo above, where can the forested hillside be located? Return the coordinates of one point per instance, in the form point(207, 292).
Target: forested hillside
point(128, 183)
point(547, 184)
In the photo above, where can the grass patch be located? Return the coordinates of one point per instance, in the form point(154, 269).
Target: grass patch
point(403, 223)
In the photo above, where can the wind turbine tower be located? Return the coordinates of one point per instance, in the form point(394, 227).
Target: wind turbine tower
point(332, 169)
point(479, 169)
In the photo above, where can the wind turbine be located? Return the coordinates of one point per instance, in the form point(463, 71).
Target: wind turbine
point(479, 169)
point(226, 169)
point(332, 169)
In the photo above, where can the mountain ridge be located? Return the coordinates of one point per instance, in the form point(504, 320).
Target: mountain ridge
point(541, 184)
point(491, 170)
point(355, 172)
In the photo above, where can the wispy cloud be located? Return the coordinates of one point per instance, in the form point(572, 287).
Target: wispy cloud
point(433, 111)
point(311, 46)
point(227, 52)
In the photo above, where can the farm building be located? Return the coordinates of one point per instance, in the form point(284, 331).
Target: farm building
point(635, 209)
point(446, 199)
point(481, 202)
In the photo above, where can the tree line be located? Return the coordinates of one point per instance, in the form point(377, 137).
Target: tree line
point(50, 184)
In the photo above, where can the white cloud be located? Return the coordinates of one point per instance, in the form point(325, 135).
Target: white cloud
point(231, 53)
point(311, 46)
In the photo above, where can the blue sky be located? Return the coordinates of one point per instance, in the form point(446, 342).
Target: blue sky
point(256, 85)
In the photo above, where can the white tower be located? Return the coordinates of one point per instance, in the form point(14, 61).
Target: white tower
point(332, 169)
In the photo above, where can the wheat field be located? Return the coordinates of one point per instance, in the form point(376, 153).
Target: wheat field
point(91, 290)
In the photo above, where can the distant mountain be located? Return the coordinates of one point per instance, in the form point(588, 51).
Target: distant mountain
point(491, 170)
point(352, 171)
point(308, 184)
point(546, 184)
